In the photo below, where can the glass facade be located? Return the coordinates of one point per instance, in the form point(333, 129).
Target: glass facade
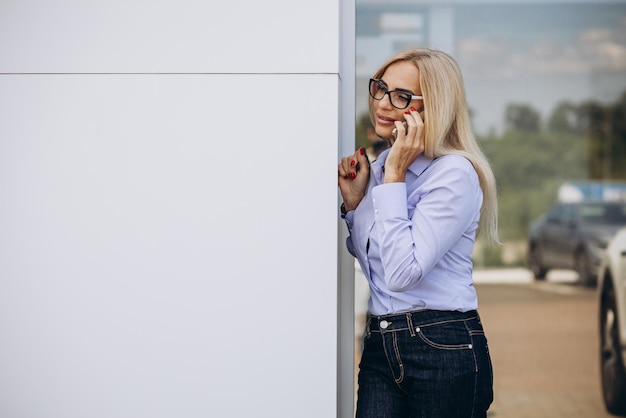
point(545, 83)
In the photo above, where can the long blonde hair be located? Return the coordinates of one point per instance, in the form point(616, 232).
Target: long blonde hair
point(447, 128)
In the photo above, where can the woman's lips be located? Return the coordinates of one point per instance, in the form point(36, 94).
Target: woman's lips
point(385, 120)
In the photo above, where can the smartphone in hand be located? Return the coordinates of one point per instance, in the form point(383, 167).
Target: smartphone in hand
point(406, 126)
point(395, 130)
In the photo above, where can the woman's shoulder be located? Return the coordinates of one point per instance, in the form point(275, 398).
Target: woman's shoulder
point(454, 162)
point(453, 169)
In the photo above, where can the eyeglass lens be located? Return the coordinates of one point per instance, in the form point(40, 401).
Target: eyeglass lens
point(399, 100)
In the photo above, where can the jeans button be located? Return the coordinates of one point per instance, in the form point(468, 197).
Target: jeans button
point(384, 324)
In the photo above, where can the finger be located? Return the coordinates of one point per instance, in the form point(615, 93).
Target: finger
point(352, 169)
point(348, 165)
point(362, 162)
point(401, 127)
point(410, 118)
point(342, 169)
point(417, 118)
point(354, 165)
point(414, 122)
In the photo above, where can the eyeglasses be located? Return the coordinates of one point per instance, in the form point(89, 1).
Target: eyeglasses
point(398, 98)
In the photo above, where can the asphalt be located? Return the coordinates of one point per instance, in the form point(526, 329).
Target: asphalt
point(543, 340)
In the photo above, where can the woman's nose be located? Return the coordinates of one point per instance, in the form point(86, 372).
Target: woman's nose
point(386, 101)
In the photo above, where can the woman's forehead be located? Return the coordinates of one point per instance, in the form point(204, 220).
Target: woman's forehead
point(402, 74)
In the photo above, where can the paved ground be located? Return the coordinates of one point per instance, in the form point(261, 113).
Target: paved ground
point(543, 339)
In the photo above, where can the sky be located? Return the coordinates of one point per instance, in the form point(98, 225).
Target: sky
point(540, 55)
point(535, 53)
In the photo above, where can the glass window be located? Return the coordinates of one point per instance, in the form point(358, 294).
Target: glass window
point(545, 84)
point(604, 214)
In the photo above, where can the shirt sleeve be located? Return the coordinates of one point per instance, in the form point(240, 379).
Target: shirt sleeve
point(447, 205)
point(349, 218)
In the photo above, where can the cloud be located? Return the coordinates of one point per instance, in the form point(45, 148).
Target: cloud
point(593, 50)
point(487, 57)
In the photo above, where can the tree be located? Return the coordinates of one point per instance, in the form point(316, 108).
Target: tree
point(591, 117)
point(363, 124)
point(617, 150)
point(564, 118)
point(529, 168)
point(521, 117)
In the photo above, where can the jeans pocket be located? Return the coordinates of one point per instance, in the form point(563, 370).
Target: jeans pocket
point(452, 335)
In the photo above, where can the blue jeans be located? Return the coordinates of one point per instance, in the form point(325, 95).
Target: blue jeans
point(425, 364)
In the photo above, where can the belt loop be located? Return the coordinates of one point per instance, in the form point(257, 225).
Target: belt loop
point(367, 328)
point(409, 321)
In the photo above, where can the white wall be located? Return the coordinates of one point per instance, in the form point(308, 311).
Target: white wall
point(168, 232)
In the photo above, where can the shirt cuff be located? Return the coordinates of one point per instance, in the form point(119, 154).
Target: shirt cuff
point(389, 201)
point(349, 218)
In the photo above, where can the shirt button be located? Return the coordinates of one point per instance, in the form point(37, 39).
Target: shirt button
point(384, 324)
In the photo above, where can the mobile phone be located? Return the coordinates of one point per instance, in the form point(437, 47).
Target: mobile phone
point(394, 133)
point(395, 130)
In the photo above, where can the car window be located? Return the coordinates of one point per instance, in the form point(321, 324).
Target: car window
point(555, 214)
point(604, 214)
point(569, 213)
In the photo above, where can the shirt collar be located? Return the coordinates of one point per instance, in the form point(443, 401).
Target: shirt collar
point(418, 166)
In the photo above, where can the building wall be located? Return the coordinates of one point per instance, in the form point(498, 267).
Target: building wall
point(168, 222)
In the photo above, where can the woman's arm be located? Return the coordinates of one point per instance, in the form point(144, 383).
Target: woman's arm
point(447, 205)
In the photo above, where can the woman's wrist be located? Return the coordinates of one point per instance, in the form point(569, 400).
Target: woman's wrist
point(350, 204)
point(345, 208)
point(394, 177)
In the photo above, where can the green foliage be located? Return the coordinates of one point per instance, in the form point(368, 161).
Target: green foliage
point(579, 142)
point(564, 119)
point(488, 255)
point(360, 138)
point(530, 161)
point(522, 118)
point(529, 168)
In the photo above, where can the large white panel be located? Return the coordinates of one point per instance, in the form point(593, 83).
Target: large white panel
point(168, 245)
point(188, 36)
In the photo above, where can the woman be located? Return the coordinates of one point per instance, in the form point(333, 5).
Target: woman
point(413, 216)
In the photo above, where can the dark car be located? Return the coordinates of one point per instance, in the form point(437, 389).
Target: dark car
point(574, 236)
point(612, 324)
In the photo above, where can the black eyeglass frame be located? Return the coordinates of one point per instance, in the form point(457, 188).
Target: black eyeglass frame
point(388, 92)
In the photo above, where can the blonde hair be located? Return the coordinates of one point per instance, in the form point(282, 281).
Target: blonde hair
point(447, 128)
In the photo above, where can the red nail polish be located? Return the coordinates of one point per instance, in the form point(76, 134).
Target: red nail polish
point(413, 109)
point(407, 113)
point(352, 163)
point(361, 150)
point(352, 176)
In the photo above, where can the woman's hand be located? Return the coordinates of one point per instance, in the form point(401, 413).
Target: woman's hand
point(408, 145)
point(354, 174)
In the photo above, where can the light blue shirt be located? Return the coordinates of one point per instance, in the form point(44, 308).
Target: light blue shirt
point(414, 240)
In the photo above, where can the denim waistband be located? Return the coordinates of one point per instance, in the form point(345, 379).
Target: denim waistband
point(410, 320)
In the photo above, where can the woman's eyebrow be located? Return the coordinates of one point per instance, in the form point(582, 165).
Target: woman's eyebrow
point(398, 89)
point(405, 90)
